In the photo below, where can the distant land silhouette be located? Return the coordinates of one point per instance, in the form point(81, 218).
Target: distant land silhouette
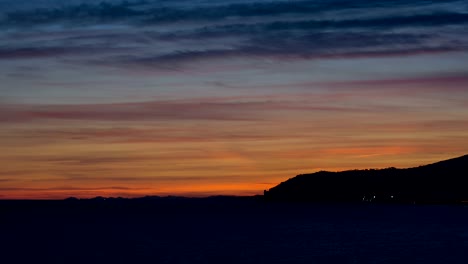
point(441, 182)
point(444, 182)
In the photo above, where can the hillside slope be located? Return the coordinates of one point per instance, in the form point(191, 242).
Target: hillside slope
point(441, 182)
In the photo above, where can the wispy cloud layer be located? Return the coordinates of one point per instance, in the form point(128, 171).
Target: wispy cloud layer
point(159, 33)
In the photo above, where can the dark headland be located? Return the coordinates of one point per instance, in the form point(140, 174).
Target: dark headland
point(441, 182)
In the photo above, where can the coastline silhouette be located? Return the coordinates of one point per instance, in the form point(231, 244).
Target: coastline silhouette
point(441, 182)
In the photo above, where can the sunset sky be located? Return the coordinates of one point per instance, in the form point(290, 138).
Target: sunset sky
point(198, 97)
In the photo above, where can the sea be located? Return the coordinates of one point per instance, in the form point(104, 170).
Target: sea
point(230, 231)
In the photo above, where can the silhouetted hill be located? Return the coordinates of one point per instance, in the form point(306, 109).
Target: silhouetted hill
point(441, 182)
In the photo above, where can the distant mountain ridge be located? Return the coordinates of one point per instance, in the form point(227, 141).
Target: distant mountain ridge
point(441, 182)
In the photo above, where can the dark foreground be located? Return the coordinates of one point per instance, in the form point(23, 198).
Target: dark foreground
point(226, 230)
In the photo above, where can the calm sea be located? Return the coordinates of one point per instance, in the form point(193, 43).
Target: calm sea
point(232, 232)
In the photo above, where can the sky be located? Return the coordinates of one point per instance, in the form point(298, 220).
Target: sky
point(197, 98)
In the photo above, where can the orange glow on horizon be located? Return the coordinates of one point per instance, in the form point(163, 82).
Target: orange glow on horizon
point(213, 146)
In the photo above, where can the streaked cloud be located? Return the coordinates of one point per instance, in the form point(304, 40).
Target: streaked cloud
point(159, 111)
point(153, 34)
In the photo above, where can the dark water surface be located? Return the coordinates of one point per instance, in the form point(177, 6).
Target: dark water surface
point(225, 231)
